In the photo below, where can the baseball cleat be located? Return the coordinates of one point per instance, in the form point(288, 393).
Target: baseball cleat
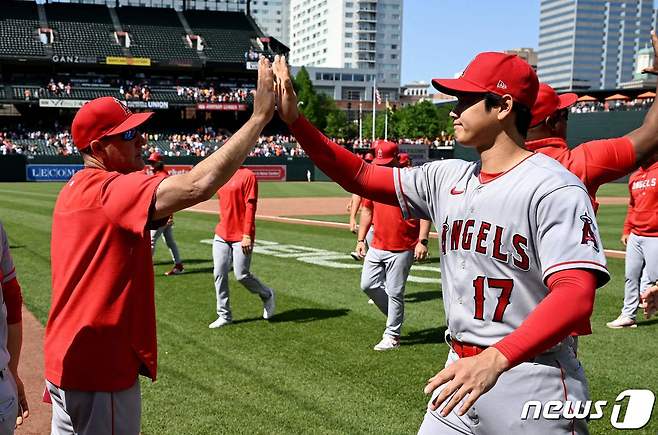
point(622, 322)
point(388, 343)
point(371, 302)
point(268, 307)
point(176, 270)
point(219, 323)
point(355, 255)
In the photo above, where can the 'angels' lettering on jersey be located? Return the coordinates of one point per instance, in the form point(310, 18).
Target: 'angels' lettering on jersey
point(643, 184)
point(487, 239)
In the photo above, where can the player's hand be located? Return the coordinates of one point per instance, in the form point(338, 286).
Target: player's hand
point(624, 239)
point(467, 378)
point(23, 408)
point(170, 220)
point(264, 97)
point(247, 245)
point(353, 226)
point(654, 68)
point(649, 299)
point(361, 249)
point(286, 99)
point(421, 252)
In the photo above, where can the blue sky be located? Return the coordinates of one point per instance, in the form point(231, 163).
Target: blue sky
point(440, 37)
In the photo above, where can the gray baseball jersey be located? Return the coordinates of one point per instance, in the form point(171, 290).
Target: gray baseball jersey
point(501, 239)
point(7, 273)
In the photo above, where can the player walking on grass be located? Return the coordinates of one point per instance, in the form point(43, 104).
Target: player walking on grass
point(101, 328)
point(166, 230)
point(520, 252)
point(395, 244)
point(640, 236)
point(234, 243)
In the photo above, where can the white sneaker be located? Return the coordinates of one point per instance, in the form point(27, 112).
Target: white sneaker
point(219, 323)
point(268, 307)
point(371, 302)
point(388, 343)
point(622, 322)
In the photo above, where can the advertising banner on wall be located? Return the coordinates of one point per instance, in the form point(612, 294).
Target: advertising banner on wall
point(222, 106)
point(269, 172)
point(419, 153)
point(61, 103)
point(51, 172)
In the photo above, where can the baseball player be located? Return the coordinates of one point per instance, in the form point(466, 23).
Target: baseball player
point(396, 243)
point(12, 393)
point(158, 168)
point(101, 328)
point(596, 162)
point(353, 208)
point(234, 242)
point(520, 253)
point(640, 236)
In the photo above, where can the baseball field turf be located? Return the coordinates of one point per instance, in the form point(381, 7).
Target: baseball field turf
point(311, 369)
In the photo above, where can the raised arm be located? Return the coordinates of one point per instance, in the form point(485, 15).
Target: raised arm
point(645, 138)
point(348, 170)
point(182, 191)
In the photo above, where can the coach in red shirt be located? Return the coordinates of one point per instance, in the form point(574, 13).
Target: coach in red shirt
point(101, 328)
point(640, 236)
point(395, 244)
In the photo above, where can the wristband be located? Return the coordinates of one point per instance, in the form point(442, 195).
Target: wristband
point(360, 241)
point(424, 242)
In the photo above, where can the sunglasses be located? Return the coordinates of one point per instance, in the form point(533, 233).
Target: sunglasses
point(129, 135)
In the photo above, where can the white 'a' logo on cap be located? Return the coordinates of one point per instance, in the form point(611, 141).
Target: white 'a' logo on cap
point(125, 108)
point(380, 153)
point(501, 84)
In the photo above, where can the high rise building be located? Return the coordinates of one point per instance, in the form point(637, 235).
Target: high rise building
point(363, 35)
point(272, 16)
point(591, 44)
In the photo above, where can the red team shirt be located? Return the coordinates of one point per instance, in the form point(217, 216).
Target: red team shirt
point(237, 207)
point(595, 163)
point(642, 214)
point(392, 232)
point(101, 328)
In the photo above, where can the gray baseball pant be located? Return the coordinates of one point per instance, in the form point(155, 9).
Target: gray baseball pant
point(95, 412)
point(641, 255)
point(223, 253)
point(555, 375)
point(383, 279)
point(168, 232)
point(8, 402)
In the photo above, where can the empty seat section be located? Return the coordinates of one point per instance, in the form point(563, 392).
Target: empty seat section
point(227, 34)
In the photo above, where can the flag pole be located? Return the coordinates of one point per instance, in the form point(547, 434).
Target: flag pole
point(386, 121)
point(374, 91)
point(360, 123)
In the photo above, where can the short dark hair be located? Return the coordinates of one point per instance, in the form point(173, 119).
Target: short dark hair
point(523, 114)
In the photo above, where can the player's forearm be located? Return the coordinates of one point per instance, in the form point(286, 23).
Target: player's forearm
point(425, 227)
point(364, 223)
point(570, 301)
point(645, 138)
point(202, 182)
point(348, 170)
point(355, 206)
point(14, 344)
point(13, 298)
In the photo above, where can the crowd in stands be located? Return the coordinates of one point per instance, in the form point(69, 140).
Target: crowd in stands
point(443, 140)
point(208, 94)
point(36, 142)
point(58, 88)
point(135, 91)
point(612, 106)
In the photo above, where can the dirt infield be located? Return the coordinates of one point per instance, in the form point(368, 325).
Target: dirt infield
point(613, 200)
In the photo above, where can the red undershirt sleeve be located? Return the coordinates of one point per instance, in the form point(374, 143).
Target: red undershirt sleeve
point(348, 170)
point(11, 292)
point(569, 303)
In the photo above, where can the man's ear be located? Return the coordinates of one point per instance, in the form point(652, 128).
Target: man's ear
point(97, 148)
point(552, 120)
point(505, 108)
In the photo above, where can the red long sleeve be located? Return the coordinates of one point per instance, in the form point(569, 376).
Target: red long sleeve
point(11, 292)
point(348, 170)
point(566, 308)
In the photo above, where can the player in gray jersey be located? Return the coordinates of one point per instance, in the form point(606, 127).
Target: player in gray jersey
point(520, 253)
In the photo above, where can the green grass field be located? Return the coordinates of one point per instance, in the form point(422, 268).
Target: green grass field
point(311, 369)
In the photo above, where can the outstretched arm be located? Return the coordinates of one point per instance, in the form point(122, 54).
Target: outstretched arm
point(348, 170)
point(645, 138)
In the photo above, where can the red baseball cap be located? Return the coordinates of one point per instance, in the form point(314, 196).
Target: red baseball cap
point(103, 117)
point(368, 157)
point(404, 159)
point(548, 102)
point(385, 152)
point(155, 157)
point(498, 73)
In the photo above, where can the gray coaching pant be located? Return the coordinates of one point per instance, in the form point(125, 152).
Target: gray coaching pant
point(383, 279)
point(223, 253)
point(95, 412)
point(551, 376)
point(641, 255)
point(168, 232)
point(8, 402)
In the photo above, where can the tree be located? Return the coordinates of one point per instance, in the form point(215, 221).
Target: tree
point(312, 105)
